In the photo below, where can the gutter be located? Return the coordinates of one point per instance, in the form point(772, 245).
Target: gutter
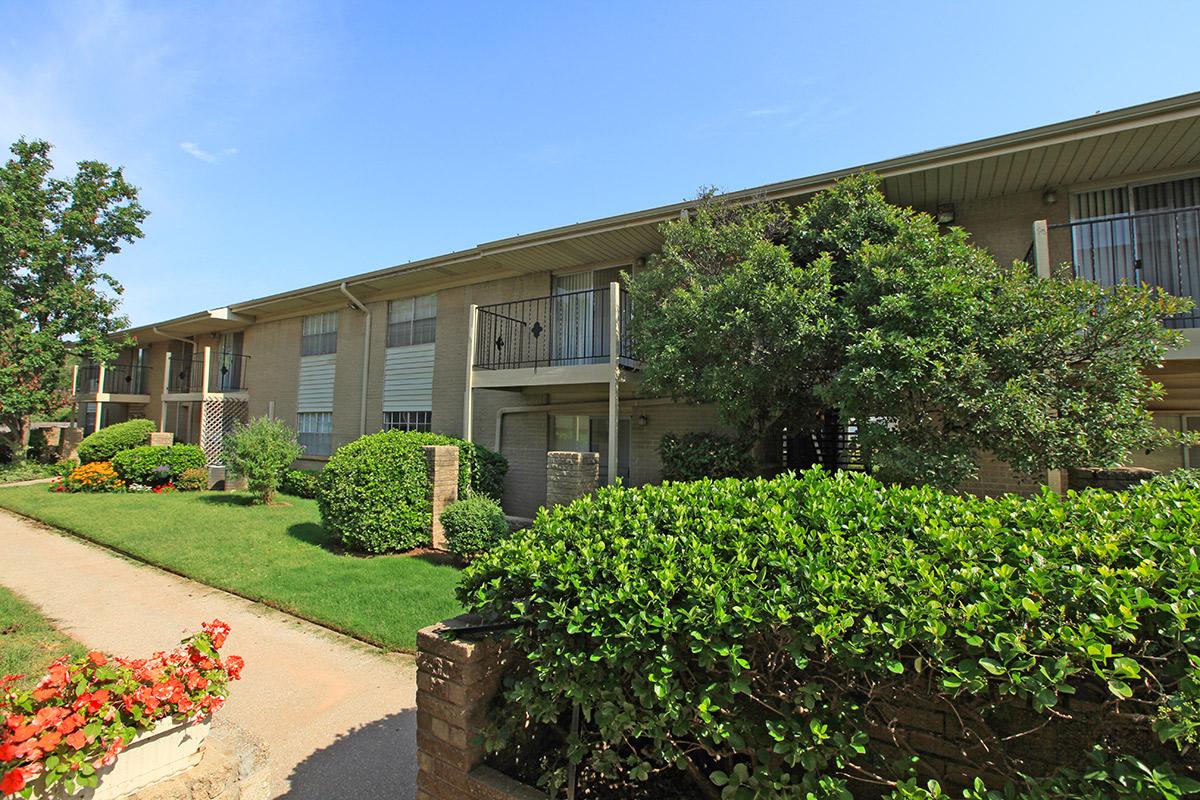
point(362, 410)
point(171, 335)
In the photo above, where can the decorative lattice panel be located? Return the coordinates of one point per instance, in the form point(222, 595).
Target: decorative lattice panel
point(217, 420)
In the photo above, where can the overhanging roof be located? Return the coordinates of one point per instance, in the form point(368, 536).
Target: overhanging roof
point(1159, 136)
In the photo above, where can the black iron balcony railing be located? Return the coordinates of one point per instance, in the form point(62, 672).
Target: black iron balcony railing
point(1157, 248)
point(566, 329)
point(186, 375)
point(118, 379)
point(228, 372)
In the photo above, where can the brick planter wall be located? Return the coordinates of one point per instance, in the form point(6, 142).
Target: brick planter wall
point(441, 464)
point(456, 681)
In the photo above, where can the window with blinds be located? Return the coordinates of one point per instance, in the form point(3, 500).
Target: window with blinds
point(408, 421)
point(319, 334)
point(412, 320)
point(315, 432)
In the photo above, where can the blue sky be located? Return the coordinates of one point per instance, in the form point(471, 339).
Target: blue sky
point(279, 144)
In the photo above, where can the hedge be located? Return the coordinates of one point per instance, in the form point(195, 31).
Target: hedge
point(373, 492)
point(107, 442)
point(301, 482)
point(758, 636)
point(151, 466)
point(474, 525)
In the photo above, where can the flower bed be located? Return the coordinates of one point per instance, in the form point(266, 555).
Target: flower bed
point(84, 712)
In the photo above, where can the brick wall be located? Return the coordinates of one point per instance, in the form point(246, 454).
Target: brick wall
point(441, 465)
point(456, 681)
point(570, 476)
point(1117, 479)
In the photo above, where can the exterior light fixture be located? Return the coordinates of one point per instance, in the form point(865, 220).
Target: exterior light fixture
point(945, 213)
point(1050, 197)
point(643, 420)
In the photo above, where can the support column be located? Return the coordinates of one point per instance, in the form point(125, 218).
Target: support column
point(1041, 248)
point(99, 404)
point(162, 423)
point(614, 380)
point(204, 433)
point(469, 397)
point(441, 466)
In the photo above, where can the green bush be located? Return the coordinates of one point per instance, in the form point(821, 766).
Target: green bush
point(193, 479)
point(152, 466)
point(300, 482)
point(703, 455)
point(259, 452)
point(374, 491)
point(474, 525)
point(748, 632)
point(107, 442)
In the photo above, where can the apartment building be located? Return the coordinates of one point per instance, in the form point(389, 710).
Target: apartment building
point(518, 344)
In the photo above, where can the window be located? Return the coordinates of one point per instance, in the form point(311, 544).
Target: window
point(412, 321)
point(316, 432)
point(319, 335)
point(583, 434)
point(408, 421)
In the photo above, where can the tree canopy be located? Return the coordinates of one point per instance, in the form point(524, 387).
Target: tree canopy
point(55, 298)
point(937, 353)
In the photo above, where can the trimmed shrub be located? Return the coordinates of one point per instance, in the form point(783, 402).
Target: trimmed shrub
point(693, 456)
point(374, 492)
point(259, 452)
point(192, 480)
point(474, 525)
point(153, 466)
point(769, 637)
point(107, 442)
point(300, 482)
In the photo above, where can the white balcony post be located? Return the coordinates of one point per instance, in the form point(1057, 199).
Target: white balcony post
point(1041, 248)
point(162, 424)
point(74, 380)
point(100, 380)
point(614, 380)
point(207, 368)
point(468, 397)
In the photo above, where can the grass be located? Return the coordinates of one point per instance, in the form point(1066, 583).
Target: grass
point(28, 642)
point(278, 555)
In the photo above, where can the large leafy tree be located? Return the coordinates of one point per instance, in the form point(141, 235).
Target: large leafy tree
point(850, 308)
point(55, 298)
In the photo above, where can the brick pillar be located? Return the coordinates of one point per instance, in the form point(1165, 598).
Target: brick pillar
point(162, 439)
point(456, 681)
point(570, 476)
point(441, 463)
point(71, 437)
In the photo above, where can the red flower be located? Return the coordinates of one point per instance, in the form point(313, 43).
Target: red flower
point(13, 782)
point(77, 740)
point(97, 658)
point(234, 665)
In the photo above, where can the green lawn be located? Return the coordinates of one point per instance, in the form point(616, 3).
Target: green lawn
point(279, 555)
point(28, 642)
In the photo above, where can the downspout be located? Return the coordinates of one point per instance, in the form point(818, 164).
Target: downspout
point(362, 409)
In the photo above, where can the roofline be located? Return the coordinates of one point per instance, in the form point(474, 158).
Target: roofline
point(1166, 109)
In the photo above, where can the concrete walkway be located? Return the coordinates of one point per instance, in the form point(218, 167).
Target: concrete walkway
point(337, 717)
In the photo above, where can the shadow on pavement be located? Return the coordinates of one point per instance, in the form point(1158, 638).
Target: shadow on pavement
point(378, 760)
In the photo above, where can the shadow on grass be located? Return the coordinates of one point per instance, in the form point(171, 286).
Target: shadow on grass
point(378, 760)
point(314, 534)
point(226, 499)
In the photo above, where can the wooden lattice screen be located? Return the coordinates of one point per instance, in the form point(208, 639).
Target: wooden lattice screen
point(217, 420)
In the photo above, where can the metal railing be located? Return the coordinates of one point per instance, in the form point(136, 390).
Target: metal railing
point(228, 372)
point(118, 379)
point(568, 329)
point(185, 377)
point(1157, 248)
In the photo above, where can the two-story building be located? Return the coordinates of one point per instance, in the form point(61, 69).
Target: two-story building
point(517, 344)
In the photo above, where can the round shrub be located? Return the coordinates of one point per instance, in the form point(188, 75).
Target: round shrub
point(107, 442)
point(153, 466)
point(693, 456)
point(194, 479)
point(770, 637)
point(260, 451)
point(374, 492)
point(474, 525)
point(300, 482)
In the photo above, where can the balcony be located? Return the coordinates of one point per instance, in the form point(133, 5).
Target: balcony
point(1158, 248)
point(125, 382)
point(226, 375)
point(560, 338)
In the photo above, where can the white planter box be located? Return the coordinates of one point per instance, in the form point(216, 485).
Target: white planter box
point(167, 749)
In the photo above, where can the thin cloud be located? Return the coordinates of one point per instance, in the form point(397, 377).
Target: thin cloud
point(194, 150)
